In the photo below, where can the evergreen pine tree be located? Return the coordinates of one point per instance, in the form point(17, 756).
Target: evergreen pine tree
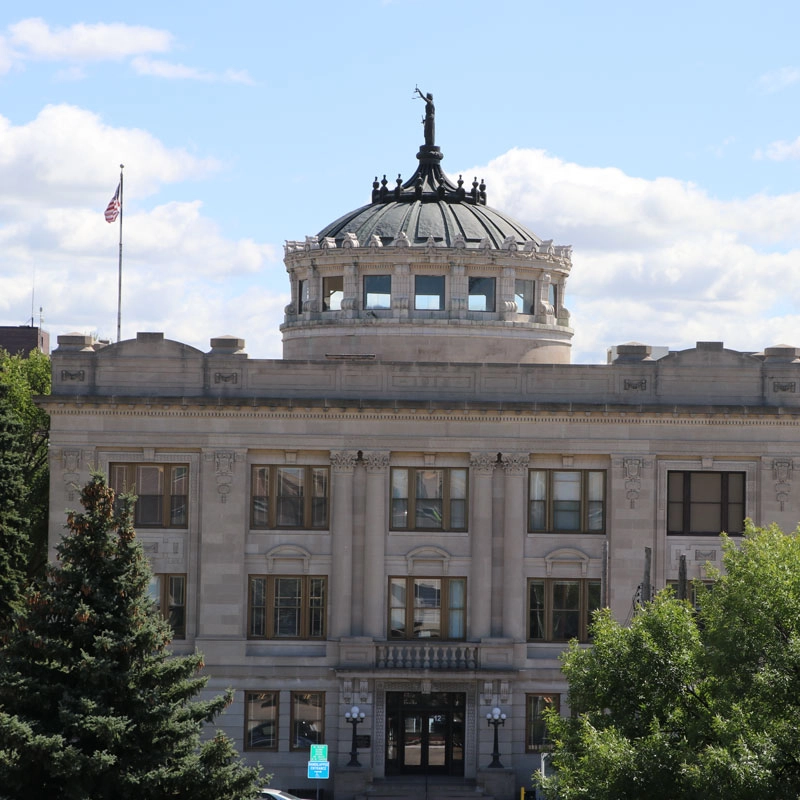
point(14, 540)
point(92, 704)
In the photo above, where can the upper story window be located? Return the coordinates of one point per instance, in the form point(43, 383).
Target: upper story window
point(302, 295)
point(307, 720)
point(289, 497)
point(429, 499)
point(286, 607)
point(552, 296)
point(705, 503)
point(427, 608)
point(332, 293)
point(566, 500)
point(481, 294)
point(535, 727)
point(161, 489)
point(378, 292)
point(169, 594)
point(429, 292)
point(560, 609)
point(524, 295)
point(261, 720)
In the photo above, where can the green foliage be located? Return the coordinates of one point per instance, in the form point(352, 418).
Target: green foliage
point(92, 705)
point(26, 377)
point(14, 540)
point(690, 705)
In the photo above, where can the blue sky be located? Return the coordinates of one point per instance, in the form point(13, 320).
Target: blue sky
point(661, 140)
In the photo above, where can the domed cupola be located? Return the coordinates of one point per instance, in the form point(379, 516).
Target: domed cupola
point(427, 272)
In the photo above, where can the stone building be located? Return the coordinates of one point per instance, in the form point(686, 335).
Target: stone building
point(417, 507)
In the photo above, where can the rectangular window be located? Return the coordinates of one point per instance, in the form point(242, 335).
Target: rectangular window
point(535, 728)
point(286, 607)
point(169, 595)
point(427, 608)
point(161, 489)
point(289, 497)
point(566, 501)
point(429, 292)
point(260, 720)
point(705, 503)
point(429, 499)
point(332, 293)
point(302, 295)
point(524, 295)
point(552, 296)
point(560, 609)
point(481, 294)
point(378, 291)
point(308, 719)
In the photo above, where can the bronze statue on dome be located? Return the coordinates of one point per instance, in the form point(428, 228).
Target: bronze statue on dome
point(429, 120)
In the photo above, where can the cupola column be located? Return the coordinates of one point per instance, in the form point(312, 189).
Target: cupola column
point(516, 468)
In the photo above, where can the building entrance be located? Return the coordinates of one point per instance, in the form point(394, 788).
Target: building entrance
point(425, 733)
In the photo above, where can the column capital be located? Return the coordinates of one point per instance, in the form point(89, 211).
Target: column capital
point(375, 460)
point(483, 463)
point(344, 460)
point(515, 463)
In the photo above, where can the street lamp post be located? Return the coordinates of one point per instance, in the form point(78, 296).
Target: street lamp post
point(354, 716)
point(495, 718)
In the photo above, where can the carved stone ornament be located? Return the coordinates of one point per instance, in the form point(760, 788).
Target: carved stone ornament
point(632, 468)
point(77, 375)
point(515, 463)
point(376, 460)
point(224, 461)
point(483, 463)
point(71, 460)
point(634, 385)
point(347, 690)
point(782, 470)
point(344, 460)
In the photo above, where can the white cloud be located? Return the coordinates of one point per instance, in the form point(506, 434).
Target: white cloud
point(780, 151)
point(34, 40)
point(657, 261)
point(82, 42)
point(181, 274)
point(165, 69)
point(779, 79)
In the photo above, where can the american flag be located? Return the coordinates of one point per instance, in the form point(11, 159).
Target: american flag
point(112, 210)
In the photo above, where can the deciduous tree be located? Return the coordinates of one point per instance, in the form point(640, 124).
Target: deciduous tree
point(689, 703)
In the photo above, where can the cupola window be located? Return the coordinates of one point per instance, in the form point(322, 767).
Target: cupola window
point(378, 292)
point(523, 295)
point(429, 292)
point(332, 293)
point(481, 294)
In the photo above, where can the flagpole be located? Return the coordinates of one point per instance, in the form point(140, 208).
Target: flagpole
point(119, 286)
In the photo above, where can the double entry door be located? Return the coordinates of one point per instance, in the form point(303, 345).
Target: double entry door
point(425, 733)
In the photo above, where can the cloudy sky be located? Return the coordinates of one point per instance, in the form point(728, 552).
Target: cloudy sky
point(661, 140)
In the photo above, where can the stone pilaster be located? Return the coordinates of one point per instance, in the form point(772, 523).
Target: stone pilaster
point(480, 526)
point(516, 469)
point(377, 464)
point(341, 581)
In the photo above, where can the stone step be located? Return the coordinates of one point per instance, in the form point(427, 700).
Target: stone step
point(403, 788)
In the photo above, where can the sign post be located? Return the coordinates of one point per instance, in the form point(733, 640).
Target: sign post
point(319, 768)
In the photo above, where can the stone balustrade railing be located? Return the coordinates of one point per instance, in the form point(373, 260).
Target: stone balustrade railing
point(426, 656)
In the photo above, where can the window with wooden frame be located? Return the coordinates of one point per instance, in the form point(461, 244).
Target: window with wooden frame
point(162, 492)
point(566, 501)
point(307, 719)
point(169, 594)
point(286, 607)
point(560, 609)
point(427, 608)
point(429, 499)
point(535, 727)
point(705, 503)
point(289, 497)
point(261, 720)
